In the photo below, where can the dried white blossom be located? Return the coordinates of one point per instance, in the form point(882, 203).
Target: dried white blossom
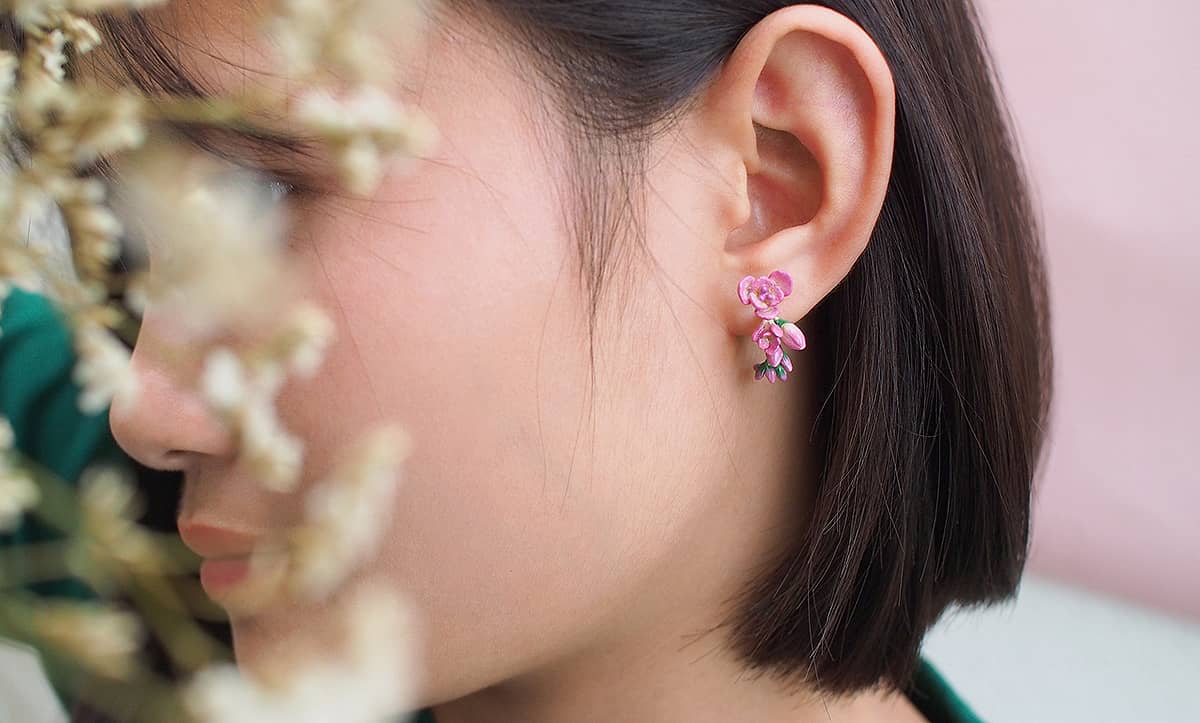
point(103, 639)
point(223, 381)
point(98, 233)
point(245, 400)
point(347, 45)
point(348, 513)
point(35, 15)
point(304, 340)
point(361, 165)
point(366, 127)
point(92, 124)
point(102, 370)
point(346, 39)
point(244, 394)
point(111, 536)
point(371, 682)
point(275, 456)
point(20, 269)
point(82, 35)
point(8, 83)
point(217, 241)
point(18, 492)
point(136, 298)
point(41, 78)
point(219, 267)
point(51, 54)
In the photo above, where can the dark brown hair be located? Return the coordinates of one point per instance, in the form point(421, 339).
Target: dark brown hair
point(936, 344)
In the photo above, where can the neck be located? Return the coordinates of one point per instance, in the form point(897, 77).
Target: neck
point(676, 673)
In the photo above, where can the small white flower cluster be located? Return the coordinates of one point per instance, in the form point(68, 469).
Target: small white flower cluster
point(371, 682)
point(327, 43)
point(244, 394)
point(365, 127)
point(18, 493)
point(220, 271)
point(112, 546)
point(102, 371)
point(66, 129)
point(350, 39)
point(217, 240)
point(220, 267)
point(347, 514)
point(103, 639)
point(247, 404)
point(41, 13)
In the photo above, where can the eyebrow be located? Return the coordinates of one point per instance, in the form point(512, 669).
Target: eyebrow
point(276, 150)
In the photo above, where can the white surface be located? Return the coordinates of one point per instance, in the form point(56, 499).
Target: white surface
point(25, 695)
point(1061, 654)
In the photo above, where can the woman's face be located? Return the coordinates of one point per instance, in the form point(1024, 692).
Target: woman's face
point(540, 516)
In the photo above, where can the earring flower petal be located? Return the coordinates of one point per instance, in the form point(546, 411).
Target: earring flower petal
point(765, 294)
point(792, 337)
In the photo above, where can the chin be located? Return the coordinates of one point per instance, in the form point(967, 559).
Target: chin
point(250, 641)
point(275, 636)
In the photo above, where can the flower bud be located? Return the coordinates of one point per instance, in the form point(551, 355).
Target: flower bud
point(793, 337)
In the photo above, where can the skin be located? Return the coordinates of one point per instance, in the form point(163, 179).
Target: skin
point(564, 566)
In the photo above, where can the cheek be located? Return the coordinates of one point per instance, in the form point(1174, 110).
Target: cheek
point(521, 518)
point(468, 331)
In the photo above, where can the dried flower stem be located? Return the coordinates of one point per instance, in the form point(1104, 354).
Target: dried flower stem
point(335, 49)
point(186, 643)
point(33, 563)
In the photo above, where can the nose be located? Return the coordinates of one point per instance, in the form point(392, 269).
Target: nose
point(167, 425)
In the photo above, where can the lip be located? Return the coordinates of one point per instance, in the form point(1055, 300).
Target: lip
point(221, 575)
point(226, 554)
point(212, 541)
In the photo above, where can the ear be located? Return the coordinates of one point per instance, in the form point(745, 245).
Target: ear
point(807, 102)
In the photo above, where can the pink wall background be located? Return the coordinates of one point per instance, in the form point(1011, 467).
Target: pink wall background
point(1106, 95)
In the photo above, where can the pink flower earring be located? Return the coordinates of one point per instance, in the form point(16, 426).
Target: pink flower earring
point(765, 293)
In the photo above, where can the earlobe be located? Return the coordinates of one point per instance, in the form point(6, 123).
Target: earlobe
point(808, 100)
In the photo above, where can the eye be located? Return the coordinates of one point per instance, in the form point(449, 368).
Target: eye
point(278, 190)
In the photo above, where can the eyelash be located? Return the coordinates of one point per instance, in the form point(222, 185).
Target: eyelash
point(280, 189)
point(286, 187)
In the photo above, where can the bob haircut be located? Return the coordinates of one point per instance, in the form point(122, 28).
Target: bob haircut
point(937, 363)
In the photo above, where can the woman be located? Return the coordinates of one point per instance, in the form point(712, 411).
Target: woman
point(606, 516)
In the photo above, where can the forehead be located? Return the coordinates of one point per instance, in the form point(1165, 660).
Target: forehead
point(495, 123)
point(236, 46)
point(458, 69)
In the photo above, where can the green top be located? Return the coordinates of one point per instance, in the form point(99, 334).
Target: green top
point(39, 398)
point(936, 699)
point(38, 394)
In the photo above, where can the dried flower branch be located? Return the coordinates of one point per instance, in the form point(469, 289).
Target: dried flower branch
point(113, 545)
point(219, 257)
point(105, 640)
point(18, 493)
